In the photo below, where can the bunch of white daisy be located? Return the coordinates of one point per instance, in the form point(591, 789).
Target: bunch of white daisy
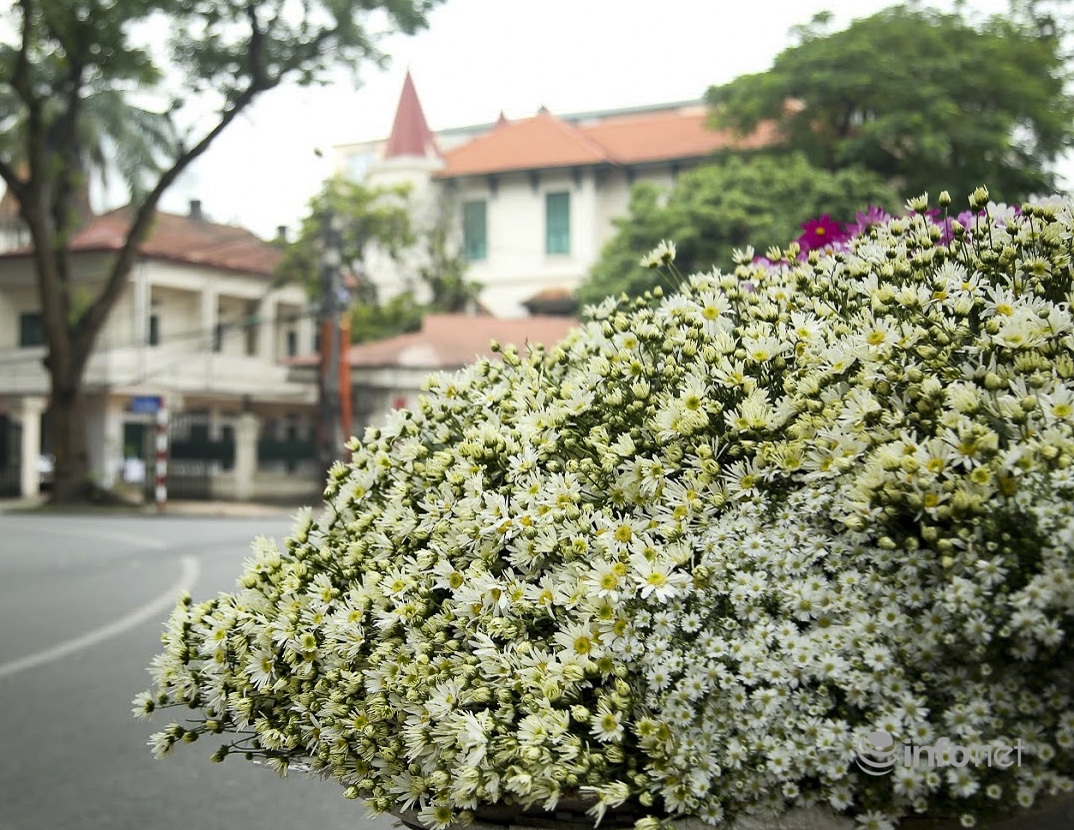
point(681, 563)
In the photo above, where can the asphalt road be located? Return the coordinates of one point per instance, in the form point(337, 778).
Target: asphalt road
point(82, 602)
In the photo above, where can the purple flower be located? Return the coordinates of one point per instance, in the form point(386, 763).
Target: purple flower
point(967, 219)
point(870, 218)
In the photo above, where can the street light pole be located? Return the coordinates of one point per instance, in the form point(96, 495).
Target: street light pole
point(331, 432)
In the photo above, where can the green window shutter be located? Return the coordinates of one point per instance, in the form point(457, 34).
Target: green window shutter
point(31, 329)
point(474, 231)
point(557, 208)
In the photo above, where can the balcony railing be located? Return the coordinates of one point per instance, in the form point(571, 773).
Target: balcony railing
point(22, 372)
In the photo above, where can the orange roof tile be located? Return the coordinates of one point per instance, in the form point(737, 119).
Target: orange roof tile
point(529, 144)
point(666, 136)
point(450, 341)
point(548, 142)
point(179, 239)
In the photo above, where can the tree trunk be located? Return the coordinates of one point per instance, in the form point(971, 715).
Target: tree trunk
point(67, 424)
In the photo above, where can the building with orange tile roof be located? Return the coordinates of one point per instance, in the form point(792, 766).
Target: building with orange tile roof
point(201, 324)
point(532, 202)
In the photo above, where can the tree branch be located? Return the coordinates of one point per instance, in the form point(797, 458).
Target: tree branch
point(66, 147)
point(31, 194)
point(94, 316)
point(92, 319)
point(22, 83)
point(11, 178)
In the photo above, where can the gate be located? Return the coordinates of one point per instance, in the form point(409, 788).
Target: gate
point(10, 457)
point(193, 456)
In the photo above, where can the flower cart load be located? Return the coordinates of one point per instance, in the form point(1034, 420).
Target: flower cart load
point(799, 536)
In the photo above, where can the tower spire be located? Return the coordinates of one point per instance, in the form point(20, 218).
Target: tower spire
point(410, 134)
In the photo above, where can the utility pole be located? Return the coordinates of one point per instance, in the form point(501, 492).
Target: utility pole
point(331, 427)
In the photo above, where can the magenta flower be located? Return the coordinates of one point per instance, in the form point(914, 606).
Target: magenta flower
point(821, 233)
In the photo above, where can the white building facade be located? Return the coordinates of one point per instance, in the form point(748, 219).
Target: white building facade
point(201, 327)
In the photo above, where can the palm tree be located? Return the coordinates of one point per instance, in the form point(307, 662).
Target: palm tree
point(118, 142)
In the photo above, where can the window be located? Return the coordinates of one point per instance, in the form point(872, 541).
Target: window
point(292, 343)
point(31, 329)
point(154, 329)
point(474, 230)
point(557, 212)
point(358, 165)
point(218, 337)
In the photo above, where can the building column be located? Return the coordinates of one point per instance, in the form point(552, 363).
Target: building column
point(306, 329)
point(112, 462)
point(216, 423)
point(28, 412)
point(588, 243)
point(246, 429)
point(104, 436)
point(210, 300)
point(142, 297)
point(266, 329)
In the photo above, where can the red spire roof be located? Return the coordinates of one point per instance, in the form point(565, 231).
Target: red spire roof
point(411, 135)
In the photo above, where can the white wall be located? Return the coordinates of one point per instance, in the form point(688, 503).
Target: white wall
point(393, 277)
point(516, 266)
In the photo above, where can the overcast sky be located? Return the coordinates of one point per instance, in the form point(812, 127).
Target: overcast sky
point(479, 57)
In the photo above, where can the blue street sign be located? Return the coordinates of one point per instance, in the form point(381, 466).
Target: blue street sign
point(145, 404)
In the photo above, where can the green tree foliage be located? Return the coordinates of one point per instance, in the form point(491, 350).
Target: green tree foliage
point(717, 208)
point(119, 143)
point(372, 320)
point(928, 100)
point(380, 217)
point(443, 269)
point(366, 216)
point(443, 273)
point(58, 57)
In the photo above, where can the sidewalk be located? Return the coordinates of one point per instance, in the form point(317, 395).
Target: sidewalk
point(230, 509)
point(226, 509)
